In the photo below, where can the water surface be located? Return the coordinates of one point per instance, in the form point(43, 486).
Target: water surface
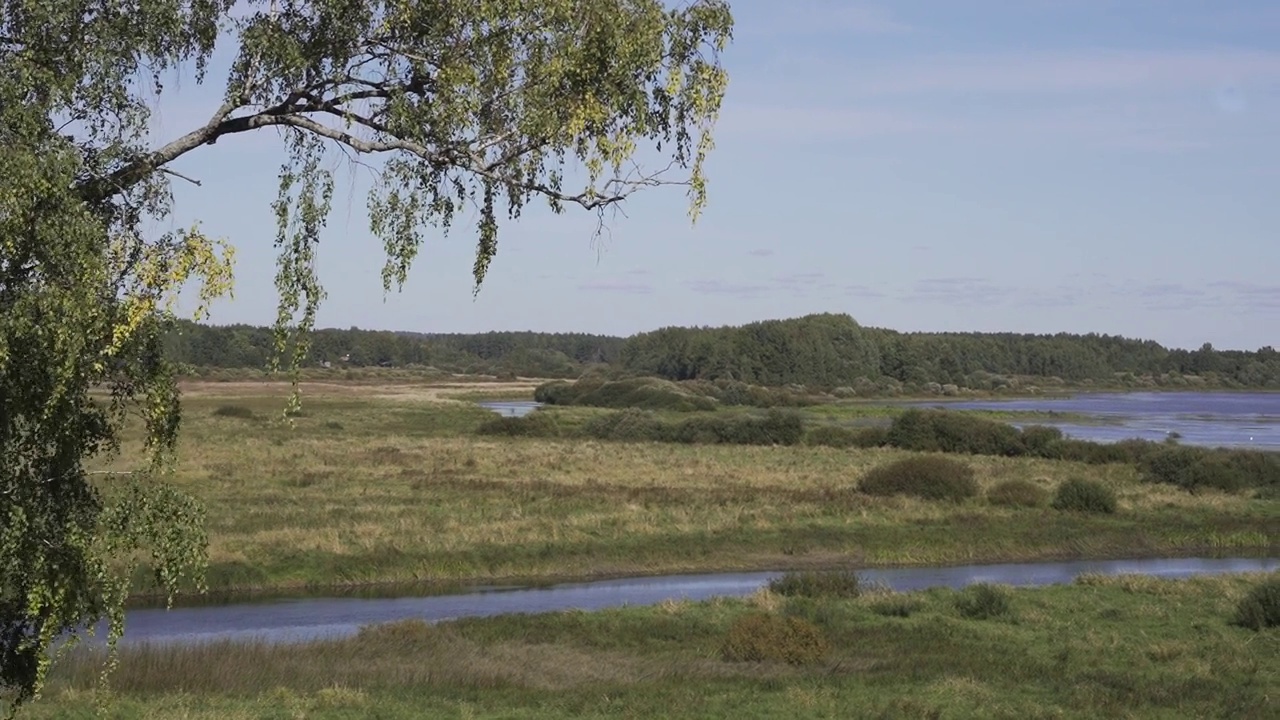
point(1200, 418)
point(511, 408)
point(303, 619)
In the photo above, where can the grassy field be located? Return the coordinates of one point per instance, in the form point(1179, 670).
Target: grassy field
point(1123, 647)
point(388, 483)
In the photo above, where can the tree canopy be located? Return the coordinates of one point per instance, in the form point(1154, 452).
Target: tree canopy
point(486, 104)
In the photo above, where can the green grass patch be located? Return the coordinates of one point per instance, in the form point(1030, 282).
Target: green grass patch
point(1100, 647)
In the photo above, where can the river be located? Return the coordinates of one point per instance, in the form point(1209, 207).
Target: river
point(305, 619)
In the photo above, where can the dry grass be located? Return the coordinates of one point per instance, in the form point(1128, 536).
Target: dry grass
point(366, 489)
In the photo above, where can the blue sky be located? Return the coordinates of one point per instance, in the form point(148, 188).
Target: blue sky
point(988, 165)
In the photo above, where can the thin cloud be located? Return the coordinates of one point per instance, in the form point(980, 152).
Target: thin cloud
point(861, 291)
point(613, 286)
point(805, 278)
point(959, 291)
point(716, 287)
point(760, 252)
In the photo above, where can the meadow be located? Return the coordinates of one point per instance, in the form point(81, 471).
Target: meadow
point(389, 483)
point(1119, 647)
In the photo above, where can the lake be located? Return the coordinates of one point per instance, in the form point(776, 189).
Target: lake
point(1202, 418)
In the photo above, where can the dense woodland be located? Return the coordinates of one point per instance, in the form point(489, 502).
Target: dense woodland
point(820, 351)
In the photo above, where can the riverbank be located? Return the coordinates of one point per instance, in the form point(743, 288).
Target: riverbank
point(372, 487)
point(1097, 647)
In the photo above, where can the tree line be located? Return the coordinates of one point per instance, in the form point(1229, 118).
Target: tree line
point(817, 351)
point(559, 355)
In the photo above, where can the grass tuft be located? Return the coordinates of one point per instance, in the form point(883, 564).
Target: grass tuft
point(764, 637)
point(983, 601)
point(1260, 608)
point(1017, 493)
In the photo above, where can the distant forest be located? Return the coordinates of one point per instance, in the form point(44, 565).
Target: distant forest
point(818, 351)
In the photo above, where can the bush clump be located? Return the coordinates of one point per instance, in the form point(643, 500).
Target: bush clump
point(535, 424)
point(1037, 439)
point(928, 477)
point(777, 427)
point(953, 432)
point(983, 601)
point(1087, 496)
point(627, 426)
point(1017, 493)
point(234, 411)
point(1260, 608)
point(812, 584)
point(1193, 468)
point(762, 637)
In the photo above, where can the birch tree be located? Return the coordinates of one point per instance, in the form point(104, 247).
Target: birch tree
point(488, 104)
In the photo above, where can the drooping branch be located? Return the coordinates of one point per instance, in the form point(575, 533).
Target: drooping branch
point(295, 110)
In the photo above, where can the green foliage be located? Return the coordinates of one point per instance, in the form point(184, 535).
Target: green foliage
point(1192, 468)
point(834, 351)
point(658, 394)
point(942, 431)
point(983, 601)
point(777, 427)
point(929, 477)
point(824, 350)
point(467, 105)
point(1260, 608)
point(1084, 495)
point(763, 637)
point(896, 605)
point(1038, 438)
point(817, 584)
point(535, 424)
point(627, 426)
point(642, 393)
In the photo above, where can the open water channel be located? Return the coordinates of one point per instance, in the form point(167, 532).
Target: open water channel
point(315, 618)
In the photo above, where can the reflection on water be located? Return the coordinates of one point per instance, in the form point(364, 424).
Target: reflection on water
point(511, 408)
point(305, 619)
point(1212, 419)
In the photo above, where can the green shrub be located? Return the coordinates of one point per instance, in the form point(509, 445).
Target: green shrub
point(535, 424)
point(234, 411)
point(1017, 493)
point(760, 637)
point(1192, 468)
point(929, 477)
point(1083, 495)
point(778, 427)
point(1261, 607)
point(954, 432)
point(812, 584)
point(627, 426)
point(832, 436)
point(982, 601)
point(1039, 438)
